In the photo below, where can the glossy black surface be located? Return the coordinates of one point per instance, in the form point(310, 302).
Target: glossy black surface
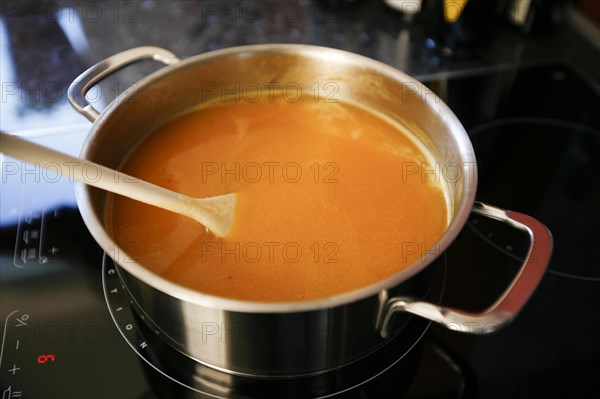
point(536, 135)
point(535, 130)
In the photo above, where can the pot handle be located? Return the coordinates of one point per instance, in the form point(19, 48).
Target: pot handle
point(85, 81)
point(512, 299)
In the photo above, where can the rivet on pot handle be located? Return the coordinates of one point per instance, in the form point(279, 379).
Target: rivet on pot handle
point(509, 303)
point(85, 81)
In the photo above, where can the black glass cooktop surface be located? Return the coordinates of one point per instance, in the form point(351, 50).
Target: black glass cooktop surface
point(536, 134)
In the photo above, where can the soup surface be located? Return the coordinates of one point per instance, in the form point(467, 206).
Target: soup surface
point(331, 198)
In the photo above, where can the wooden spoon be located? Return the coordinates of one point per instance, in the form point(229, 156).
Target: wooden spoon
point(215, 213)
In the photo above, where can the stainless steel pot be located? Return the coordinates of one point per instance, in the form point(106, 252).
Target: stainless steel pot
point(298, 338)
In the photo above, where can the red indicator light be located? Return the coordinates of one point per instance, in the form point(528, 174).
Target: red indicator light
point(45, 358)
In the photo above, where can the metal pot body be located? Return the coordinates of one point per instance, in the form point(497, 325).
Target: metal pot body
point(275, 339)
point(271, 344)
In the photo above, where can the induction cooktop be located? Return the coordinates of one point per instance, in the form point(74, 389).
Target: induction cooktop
point(536, 134)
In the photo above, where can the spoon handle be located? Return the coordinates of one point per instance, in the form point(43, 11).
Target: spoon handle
point(96, 175)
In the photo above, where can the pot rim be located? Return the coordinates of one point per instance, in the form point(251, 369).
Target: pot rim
point(98, 231)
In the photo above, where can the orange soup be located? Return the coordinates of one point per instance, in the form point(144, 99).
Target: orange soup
point(331, 198)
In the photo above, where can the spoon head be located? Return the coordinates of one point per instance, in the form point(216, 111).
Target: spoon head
point(217, 213)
